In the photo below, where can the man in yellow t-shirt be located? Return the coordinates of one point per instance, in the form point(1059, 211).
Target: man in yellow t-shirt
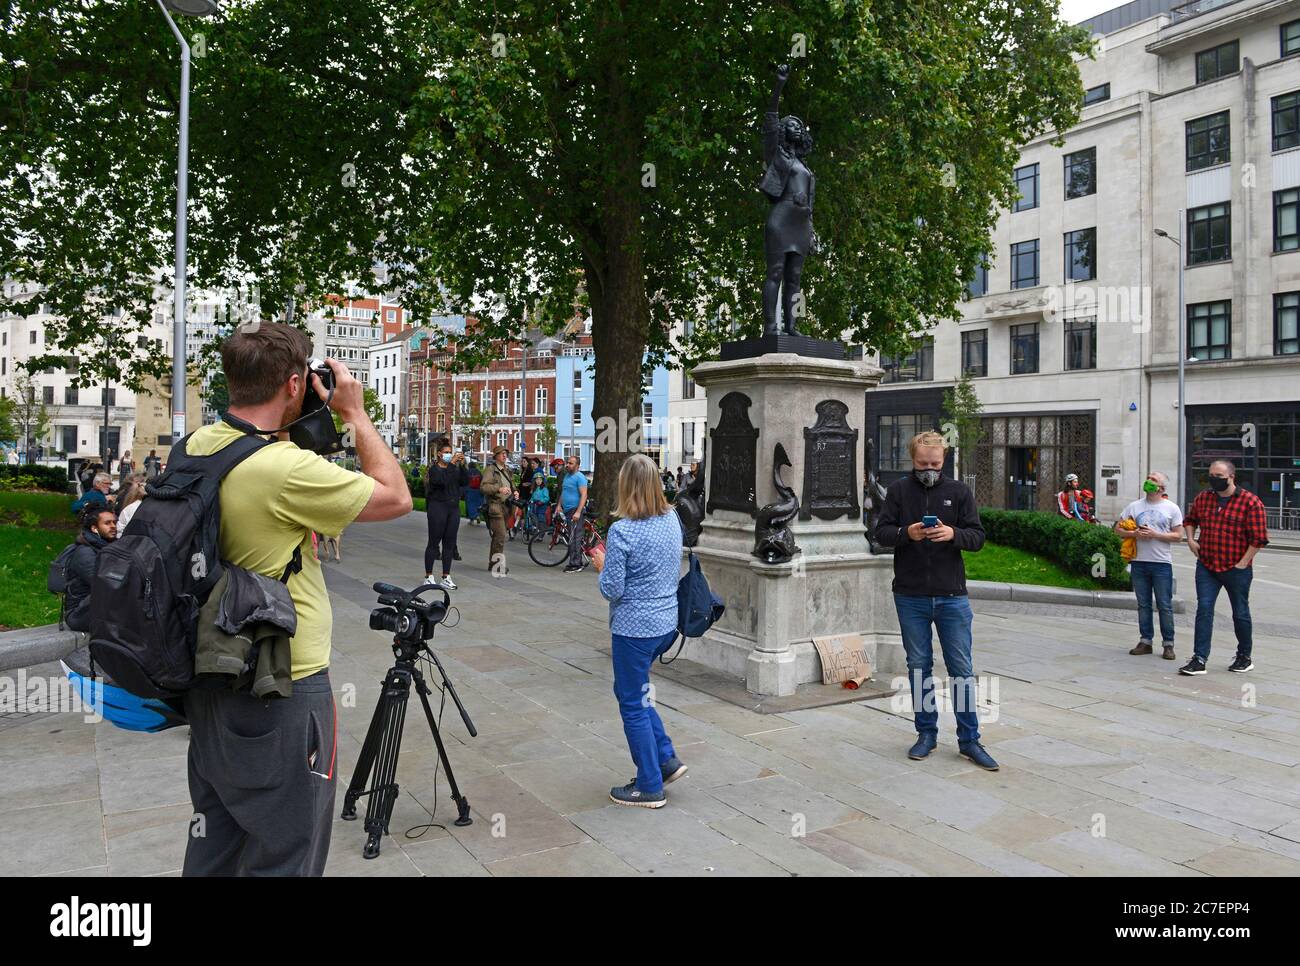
point(261, 771)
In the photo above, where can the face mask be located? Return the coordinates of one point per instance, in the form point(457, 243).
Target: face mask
point(927, 478)
point(1150, 487)
point(446, 457)
point(1218, 483)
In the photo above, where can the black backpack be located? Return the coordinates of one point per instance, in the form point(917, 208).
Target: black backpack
point(698, 607)
point(56, 581)
point(151, 581)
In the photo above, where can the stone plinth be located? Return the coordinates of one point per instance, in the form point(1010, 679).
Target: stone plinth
point(834, 585)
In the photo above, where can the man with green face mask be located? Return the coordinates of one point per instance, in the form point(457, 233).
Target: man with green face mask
point(1158, 521)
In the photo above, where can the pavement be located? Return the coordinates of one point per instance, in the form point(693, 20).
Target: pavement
point(1111, 765)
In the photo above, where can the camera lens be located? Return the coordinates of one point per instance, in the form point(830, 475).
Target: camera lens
point(383, 619)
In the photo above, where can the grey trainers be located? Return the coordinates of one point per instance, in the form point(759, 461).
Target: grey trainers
point(629, 794)
point(672, 769)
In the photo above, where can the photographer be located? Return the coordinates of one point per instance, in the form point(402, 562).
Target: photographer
point(444, 483)
point(498, 487)
point(261, 772)
point(929, 520)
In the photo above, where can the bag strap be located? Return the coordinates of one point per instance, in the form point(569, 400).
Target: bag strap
point(681, 643)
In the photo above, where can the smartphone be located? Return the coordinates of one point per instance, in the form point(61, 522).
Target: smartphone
point(929, 520)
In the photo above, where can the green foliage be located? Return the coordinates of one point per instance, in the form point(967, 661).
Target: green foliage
point(520, 161)
point(962, 409)
point(33, 477)
point(50, 509)
point(1071, 543)
point(547, 435)
point(8, 424)
point(1011, 566)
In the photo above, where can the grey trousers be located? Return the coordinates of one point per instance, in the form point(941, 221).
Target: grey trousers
point(262, 780)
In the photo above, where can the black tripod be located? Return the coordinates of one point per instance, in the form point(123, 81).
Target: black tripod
point(384, 741)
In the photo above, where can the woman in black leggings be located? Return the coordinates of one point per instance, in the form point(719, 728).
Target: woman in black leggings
point(443, 485)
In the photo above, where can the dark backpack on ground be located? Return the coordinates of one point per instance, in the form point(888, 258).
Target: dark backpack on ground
point(698, 607)
point(151, 581)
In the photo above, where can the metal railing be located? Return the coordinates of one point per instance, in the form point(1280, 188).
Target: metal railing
point(1278, 518)
point(1197, 7)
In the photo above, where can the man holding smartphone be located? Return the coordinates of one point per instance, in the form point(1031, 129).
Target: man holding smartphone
point(929, 520)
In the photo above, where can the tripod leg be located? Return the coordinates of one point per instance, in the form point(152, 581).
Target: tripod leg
point(462, 804)
point(361, 774)
point(383, 795)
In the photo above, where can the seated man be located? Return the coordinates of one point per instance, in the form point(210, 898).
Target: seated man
point(97, 495)
point(99, 526)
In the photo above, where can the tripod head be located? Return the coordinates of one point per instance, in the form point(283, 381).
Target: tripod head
point(410, 619)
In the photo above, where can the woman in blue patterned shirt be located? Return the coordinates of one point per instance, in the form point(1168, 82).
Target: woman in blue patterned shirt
point(639, 570)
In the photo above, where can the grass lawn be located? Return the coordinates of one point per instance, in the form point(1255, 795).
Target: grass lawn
point(1011, 566)
point(35, 527)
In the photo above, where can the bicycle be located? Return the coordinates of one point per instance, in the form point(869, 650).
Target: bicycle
point(549, 547)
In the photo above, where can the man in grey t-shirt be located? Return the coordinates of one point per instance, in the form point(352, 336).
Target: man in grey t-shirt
point(1159, 524)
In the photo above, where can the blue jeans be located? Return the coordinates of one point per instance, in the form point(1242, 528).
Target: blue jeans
point(1149, 576)
point(646, 738)
point(1237, 583)
point(952, 616)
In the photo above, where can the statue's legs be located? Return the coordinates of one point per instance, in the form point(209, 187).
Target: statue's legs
point(791, 292)
point(771, 294)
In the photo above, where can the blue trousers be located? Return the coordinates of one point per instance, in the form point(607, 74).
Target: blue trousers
point(1208, 584)
point(952, 616)
point(646, 738)
point(1150, 576)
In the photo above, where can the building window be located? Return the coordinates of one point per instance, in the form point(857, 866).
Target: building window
point(1286, 323)
point(688, 386)
point(1209, 330)
point(464, 402)
point(1217, 62)
point(519, 402)
point(895, 434)
point(1081, 173)
point(1024, 348)
point(1081, 343)
point(1095, 95)
point(31, 337)
point(1286, 209)
point(1208, 141)
point(485, 401)
point(541, 401)
point(501, 437)
point(577, 413)
point(69, 395)
point(975, 353)
point(1081, 255)
point(69, 434)
point(108, 397)
point(979, 283)
point(439, 423)
point(1024, 264)
point(503, 401)
point(1286, 121)
point(915, 365)
point(47, 394)
point(1209, 232)
point(1290, 38)
point(577, 378)
point(1027, 186)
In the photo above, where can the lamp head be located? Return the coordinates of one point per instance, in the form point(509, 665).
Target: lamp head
point(192, 8)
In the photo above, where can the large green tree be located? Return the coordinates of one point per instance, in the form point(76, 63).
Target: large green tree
point(516, 159)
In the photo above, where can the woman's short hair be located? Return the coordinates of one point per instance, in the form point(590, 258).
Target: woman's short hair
point(640, 489)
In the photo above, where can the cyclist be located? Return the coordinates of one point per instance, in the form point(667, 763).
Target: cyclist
point(573, 501)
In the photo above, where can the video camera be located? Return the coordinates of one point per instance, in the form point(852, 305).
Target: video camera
point(404, 615)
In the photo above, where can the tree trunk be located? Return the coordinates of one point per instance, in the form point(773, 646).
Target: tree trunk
point(620, 310)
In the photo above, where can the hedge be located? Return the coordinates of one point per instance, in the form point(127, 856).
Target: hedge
point(33, 476)
point(1071, 543)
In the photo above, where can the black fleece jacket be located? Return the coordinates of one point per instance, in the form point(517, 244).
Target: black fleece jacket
point(445, 484)
point(924, 568)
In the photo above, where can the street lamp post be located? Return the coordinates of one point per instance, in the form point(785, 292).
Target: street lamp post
point(189, 8)
point(1182, 359)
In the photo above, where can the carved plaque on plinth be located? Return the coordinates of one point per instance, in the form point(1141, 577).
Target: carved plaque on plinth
point(830, 472)
point(733, 442)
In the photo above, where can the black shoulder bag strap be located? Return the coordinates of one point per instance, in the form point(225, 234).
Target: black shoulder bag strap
point(681, 633)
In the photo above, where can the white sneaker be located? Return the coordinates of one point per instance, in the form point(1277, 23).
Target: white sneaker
point(430, 579)
point(448, 583)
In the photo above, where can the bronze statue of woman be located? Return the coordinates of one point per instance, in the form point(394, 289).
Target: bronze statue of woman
point(789, 185)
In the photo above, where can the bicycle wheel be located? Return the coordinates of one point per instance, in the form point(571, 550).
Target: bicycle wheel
point(549, 547)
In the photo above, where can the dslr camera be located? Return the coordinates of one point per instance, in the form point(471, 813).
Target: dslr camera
point(409, 619)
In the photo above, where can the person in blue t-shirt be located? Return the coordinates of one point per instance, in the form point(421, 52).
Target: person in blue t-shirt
point(573, 501)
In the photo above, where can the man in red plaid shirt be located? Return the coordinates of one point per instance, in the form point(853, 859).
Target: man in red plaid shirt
point(1232, 529)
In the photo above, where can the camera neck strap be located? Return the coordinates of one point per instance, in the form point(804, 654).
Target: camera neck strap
point(244, 426)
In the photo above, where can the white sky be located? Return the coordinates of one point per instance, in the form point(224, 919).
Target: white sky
point(1072, 11)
